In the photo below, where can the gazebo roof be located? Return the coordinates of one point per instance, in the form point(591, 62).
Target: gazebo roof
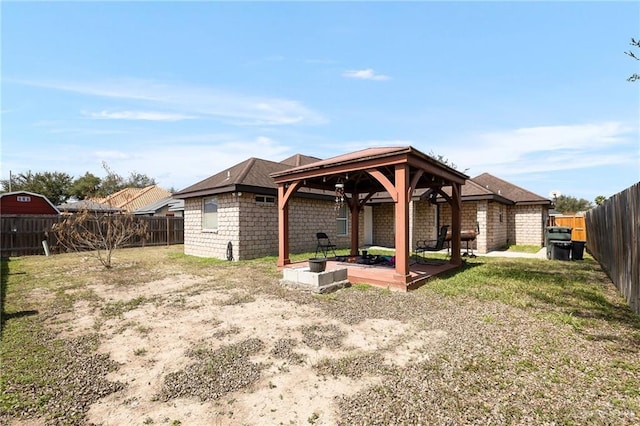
point(351, 170)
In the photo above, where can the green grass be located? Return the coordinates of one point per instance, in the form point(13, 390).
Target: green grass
point(523, 248)
point(565, 292)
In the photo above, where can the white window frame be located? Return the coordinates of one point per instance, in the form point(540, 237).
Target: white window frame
point(343, 210)
point(265, 200)
point(204, 224)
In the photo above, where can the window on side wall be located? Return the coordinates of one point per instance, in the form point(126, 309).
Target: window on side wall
point(210, 214)
point(265, 200)
point(342, 222)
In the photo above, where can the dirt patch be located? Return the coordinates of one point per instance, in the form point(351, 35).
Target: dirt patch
point(156, 341)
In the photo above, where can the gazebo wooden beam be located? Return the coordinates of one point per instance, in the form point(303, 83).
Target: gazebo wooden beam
point(284, 194)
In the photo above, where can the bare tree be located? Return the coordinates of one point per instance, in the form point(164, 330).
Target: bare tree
point(98, 234)
point(632, 54)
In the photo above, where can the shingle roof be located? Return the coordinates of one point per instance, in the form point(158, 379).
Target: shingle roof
point(130, 199)
point(253, 172)
point(508, 190)
point(300, 160)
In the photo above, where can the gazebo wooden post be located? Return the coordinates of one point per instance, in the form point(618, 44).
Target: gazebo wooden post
point(402, 223)
point(354, 207)
point(456, 223)
point(283, 226)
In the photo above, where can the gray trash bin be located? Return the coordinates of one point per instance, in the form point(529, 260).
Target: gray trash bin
point(577, 250)
point(558, 236)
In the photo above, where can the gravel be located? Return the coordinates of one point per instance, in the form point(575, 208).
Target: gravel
point(216, 373)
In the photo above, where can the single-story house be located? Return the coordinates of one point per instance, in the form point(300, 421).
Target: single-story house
point(234, 213)
point(26, 203)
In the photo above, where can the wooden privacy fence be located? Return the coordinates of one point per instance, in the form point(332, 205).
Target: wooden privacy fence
point(23, 235)
point(614, 234)
point(577, 223)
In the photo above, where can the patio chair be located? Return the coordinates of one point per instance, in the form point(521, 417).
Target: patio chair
point(324, 244)
point(424, 246)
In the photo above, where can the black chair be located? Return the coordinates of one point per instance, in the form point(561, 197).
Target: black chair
point(324, 244)
point(424, 246)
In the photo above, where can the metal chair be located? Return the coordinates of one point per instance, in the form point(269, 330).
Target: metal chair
point(324, 244)
point(424, 246)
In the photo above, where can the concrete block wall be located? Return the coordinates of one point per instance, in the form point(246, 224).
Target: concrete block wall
point(497, 226)
point(258, 227)
point(422, 222)
point(527, 224)
point(198, 242)
point(384, 225)
point(309, 216)
point(252, 227)
point(469, 219)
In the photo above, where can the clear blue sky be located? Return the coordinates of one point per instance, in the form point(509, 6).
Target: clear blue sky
point(534, 93)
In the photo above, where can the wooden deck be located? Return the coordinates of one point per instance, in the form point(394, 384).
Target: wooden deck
point(382, 276)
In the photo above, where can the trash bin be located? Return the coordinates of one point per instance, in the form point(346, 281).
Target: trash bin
point(577, 250)
point(560, 250)
point(557, 239)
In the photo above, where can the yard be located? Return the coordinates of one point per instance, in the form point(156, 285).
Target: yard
point(164, 338)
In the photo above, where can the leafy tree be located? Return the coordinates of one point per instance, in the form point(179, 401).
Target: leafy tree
point(635, 43)
point(600, 199)
point(138, 180)
point(97, 234)
point(86, 186)
point(569, 204)
point(56, 186)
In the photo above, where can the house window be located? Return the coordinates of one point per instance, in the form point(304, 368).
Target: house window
point(265, 199)
point(210, 214)
point(342, 221)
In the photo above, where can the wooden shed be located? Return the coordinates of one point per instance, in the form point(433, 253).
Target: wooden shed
point(26, 203)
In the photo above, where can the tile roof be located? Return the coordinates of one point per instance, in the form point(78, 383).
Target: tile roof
point(130, 199)
point(300, 160)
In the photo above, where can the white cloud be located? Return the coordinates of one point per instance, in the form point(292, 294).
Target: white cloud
point(187, 100)
point(138, 115)
point(542, 149)
point(366, 74)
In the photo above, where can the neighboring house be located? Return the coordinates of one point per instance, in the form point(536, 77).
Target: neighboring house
point(89, 206)
point(168, 206)
point(130, 199)
point(239, 206)
point(26, 203)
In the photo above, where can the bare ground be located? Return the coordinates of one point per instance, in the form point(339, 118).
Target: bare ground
point(226, 345)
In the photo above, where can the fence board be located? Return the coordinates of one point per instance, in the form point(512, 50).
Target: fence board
point(23, 235)
point(578, 225)
point(614, 232)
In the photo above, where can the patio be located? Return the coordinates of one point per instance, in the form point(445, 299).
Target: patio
point(384, 275)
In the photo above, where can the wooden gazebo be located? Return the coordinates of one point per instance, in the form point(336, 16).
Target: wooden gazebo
point(396, 170)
